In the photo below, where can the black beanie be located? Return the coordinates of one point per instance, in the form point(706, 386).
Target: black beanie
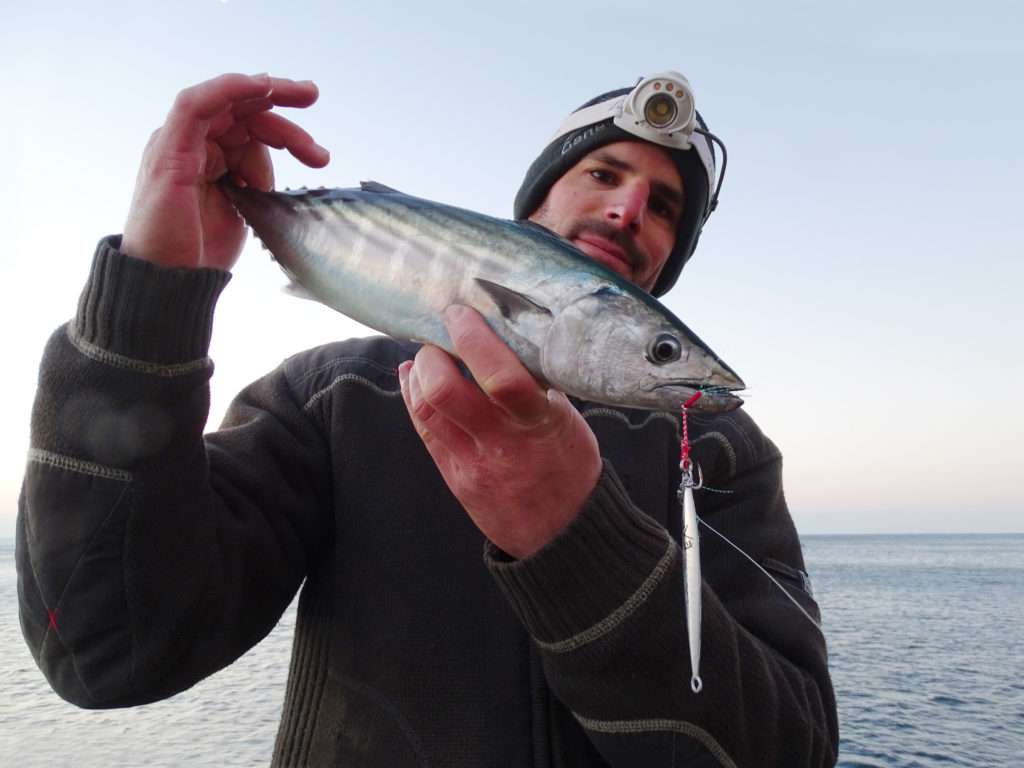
point(568, 149)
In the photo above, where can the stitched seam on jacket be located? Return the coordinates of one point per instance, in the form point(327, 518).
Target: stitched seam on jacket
point(59, 461)
point(620, 614)
point(115, 360)
point(366, 361)
point(621, 417)
point(344, 378)
point(726, 446)
point(675, 726)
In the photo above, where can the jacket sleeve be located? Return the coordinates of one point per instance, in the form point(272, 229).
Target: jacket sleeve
point(604, 603)
point(148, 556)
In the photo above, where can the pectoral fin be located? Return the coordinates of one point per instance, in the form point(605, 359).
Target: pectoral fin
point(513, 304)
point(526, 323)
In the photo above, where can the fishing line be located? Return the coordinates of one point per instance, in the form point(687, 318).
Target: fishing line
point(757, 565)
point(692, 580)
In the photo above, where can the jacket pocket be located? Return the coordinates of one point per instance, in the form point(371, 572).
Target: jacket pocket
point(71, 528)
point(789, 576)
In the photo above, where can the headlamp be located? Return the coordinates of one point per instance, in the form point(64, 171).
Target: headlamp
point(659, 109)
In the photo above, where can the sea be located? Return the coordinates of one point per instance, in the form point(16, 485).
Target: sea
point(926, 646)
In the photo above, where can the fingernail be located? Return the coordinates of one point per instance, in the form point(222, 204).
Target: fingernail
point(414, 386)
point(556, 398)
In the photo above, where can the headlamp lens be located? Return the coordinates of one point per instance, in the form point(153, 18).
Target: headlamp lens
point(660, 110)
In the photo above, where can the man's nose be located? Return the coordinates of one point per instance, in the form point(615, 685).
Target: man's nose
point(627, 207)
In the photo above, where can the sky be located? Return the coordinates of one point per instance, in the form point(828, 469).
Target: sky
point(861, 272)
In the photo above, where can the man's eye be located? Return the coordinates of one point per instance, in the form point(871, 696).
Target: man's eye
point(662, 210)
point(603, 176)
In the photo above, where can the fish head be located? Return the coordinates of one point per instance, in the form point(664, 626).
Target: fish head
point(622, 347)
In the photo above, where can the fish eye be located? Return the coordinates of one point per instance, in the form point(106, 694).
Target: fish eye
point(664, 349)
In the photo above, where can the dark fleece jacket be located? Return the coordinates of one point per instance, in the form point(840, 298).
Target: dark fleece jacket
point(150, 556)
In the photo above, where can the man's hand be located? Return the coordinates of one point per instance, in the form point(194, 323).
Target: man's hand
point(179, 217)
point(521, 460)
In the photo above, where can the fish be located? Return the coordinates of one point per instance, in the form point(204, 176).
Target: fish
point(394, 262)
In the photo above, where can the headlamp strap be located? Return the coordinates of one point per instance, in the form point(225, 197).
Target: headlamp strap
point(591, 115)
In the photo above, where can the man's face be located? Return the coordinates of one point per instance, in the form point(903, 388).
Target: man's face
point(620, 205)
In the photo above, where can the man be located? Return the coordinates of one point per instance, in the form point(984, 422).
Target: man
point(150, 556)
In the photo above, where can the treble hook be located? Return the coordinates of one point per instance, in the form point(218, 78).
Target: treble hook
point(687, 478)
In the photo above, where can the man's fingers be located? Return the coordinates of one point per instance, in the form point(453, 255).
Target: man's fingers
point(441, 436)
point(197, 107)
point(496, 368)
point(220, 124)
point(251, 162)
point(232, 136)
point(281, 133)
point(186, 123)
point(284, 93)
point(208, 99)
point(446, 390)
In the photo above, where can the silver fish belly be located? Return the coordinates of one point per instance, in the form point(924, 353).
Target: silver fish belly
point(394, 262)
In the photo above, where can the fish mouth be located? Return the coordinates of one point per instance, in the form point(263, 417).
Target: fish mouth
point(715, 398)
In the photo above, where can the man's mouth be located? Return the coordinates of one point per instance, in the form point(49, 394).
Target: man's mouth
point(605, 252)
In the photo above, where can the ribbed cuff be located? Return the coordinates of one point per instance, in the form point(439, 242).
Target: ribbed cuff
point(589, 571)
point(147, 312)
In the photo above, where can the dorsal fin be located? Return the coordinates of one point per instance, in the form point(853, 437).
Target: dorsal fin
point(376, 186)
